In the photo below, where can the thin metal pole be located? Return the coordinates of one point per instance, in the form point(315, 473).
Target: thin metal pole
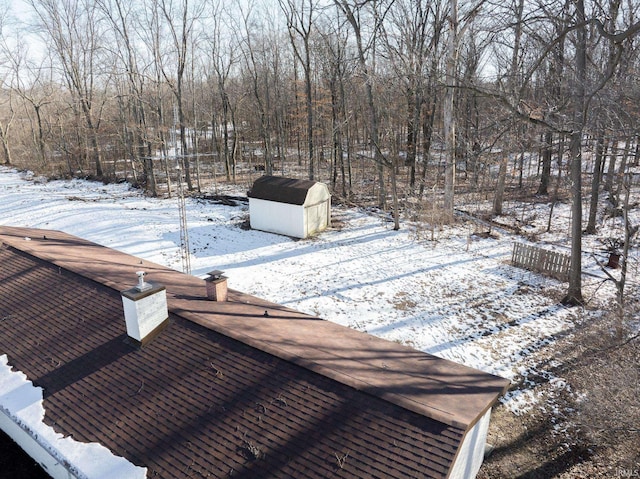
point(184, 230)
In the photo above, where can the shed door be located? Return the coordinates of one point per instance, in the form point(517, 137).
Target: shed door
point(317, 217)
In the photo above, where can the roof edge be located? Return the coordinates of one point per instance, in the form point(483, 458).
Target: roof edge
point(414, 380)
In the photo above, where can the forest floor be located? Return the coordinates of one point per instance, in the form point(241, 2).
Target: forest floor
point(589, 431)
point(573, 406)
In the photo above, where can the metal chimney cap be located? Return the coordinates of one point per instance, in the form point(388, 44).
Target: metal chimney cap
point(215, 274)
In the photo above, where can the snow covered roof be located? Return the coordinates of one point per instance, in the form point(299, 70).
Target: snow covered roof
point(284, 190)
point(225, 387)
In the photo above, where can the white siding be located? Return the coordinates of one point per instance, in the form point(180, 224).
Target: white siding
point(274, 217)
point(471, 453)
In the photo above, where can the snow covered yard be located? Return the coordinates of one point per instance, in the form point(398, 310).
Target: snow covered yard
point(457, 297)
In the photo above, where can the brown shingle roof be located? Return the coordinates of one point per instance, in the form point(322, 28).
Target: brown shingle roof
point(262, 397)
point(280, 189)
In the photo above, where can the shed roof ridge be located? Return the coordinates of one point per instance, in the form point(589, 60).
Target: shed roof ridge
point(282, 189)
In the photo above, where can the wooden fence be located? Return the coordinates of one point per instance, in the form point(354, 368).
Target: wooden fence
point(541, 261)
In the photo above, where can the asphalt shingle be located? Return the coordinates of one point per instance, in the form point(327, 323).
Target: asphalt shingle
point(197, 402)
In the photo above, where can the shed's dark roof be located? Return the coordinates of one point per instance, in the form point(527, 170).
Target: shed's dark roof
point(280, 189)
point(224, 390)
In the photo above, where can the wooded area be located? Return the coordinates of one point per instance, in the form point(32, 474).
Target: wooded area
point(409, 105)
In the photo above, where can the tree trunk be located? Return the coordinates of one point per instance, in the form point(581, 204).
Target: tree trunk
point(235, 146)
point(150, 176)
point(427, 135)
point(336, 135)
point(500, 186)
point(225, 132)
point(394, 193)
point(611, 171)
point(622, 169)
point(595, 185)
point(629, 233)
point(5, 145)
point(414, 105)
point(574, 293)
point(545, 177)
point(40, 133)
point(95, 151)
point(449, 112)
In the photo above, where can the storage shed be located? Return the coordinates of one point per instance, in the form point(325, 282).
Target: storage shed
point(298, 208)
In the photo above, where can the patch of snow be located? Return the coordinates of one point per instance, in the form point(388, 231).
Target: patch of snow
point(520, 401)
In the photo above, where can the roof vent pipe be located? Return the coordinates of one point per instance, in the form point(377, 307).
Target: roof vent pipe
point(145, 310)
point(142, 285)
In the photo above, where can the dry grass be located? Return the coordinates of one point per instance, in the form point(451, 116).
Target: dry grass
point(590, 430)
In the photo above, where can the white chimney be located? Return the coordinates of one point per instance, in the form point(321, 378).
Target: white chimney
point(145, 309)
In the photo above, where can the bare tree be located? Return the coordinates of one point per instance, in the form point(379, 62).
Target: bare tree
point(300, 16)
point(6, 120)
point(152, 37)
point(336, 68)
point(512, 86)
point(261, 56)
point(36, 96)
point(412, 42)
point(7, 112)
point(581, 100)
point(432, 90)
point(121, 17)
point(574, 294)
point(630, 232)
point(353, 13)
point(72, 30)
point(457, 27)
point(554, 90)
point(180, 19)
point(571, 117)
point(224, 55)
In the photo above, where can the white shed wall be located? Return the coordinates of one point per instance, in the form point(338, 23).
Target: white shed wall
point(274, 217)
point(471, 453)
point(318, 193)
point(317, 217)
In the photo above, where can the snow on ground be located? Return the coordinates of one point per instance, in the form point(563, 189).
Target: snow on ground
point(456, 297)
